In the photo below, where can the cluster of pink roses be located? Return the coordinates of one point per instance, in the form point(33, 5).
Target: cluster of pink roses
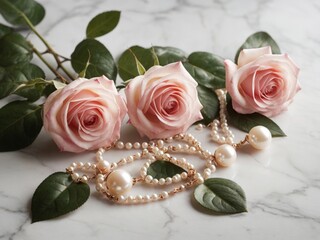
point(88, 113)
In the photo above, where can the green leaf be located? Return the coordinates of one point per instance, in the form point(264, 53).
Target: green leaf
point(33, 89)
point(56, 196)
point(155, 57)
point(210, 103)
point(207, 69)
point(11, 77)
point(148, 57)
point(163, 169)
point(140, 68)
point(221, 196)
point(14, 49)
point(102, 24)
point(257, 40)
point(100, 59)
point(168, 55)
point(13, 11)
point(4, 30)
point(245, 122)
point(20, 124)
point(127, 62)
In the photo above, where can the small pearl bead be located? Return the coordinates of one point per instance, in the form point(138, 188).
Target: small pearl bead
point(155, 181)
point(144, 145)
point(259, 137)
point(154, 197)
point(162, 181)
point(87, 165)
point(138, 198)
point(128, 145)
point(213, 168)
point(74, 164)
point(130, 159)
point(147, 198)
point(113, 165)
point(200, 180)
point(225, 155)
point(80, 164)
point(99, 187)
point(119, 182)
point(130, 199)
point(148, 178)
point(165, 194)
point(122, 199)
point(75, 176)
point(103, 166)
point(84, 179)
point(120, 145)
point(168, 180)
point(160, 143)
point(71, 169)
point(184, 175)
point(136, 145)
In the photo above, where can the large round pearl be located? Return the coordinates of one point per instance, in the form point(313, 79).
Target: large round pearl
point(119, 182)
point(259, 137)
point(225, 155)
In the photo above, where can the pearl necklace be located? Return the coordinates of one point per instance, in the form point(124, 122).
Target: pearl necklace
point(115, 183)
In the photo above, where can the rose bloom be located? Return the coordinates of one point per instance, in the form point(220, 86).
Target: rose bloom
point(261, 82)
point(163, 102)
point(84, 115)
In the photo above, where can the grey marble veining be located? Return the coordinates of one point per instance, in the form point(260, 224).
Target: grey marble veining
point(282, 183)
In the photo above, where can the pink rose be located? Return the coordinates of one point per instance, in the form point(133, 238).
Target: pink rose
point(163, 102)
point(84, 115)
point(262, 82)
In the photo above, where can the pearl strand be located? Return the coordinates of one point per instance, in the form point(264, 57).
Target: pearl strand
point(153, 153)
point(227, 135)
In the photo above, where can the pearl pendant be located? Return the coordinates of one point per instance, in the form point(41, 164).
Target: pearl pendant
point(225, 155)
point(259, 137)
point(119, 182)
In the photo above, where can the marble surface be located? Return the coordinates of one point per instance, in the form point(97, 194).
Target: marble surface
point(282, 183)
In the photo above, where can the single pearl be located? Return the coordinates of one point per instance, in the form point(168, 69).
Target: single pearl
point(225, 155)
point(119, 182)
point(103, 166)
point(259, 137)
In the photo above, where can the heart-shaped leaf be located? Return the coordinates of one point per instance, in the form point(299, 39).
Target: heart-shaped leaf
point(210, 103)
point(221, 196)
point(93, 56)
point(14, 49)
point(207, 69)
point(13, 11)
point(57, 195)
point(127, 62)
point(163, 169)
point(245, 122)
point(257, 40)
point(20, 124)
point(147, 57)
point(4, 30)
point(102, 24)
point(11, 77)
point(168, 55)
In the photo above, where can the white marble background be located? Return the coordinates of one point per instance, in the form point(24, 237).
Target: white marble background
point(282, 183)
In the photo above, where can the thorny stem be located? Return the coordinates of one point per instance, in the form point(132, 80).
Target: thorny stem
point(48, 64)
point(49, 50)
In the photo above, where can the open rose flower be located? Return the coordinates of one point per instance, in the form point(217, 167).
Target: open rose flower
point(84, 115)
point(163, 102)
point(262, 82)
